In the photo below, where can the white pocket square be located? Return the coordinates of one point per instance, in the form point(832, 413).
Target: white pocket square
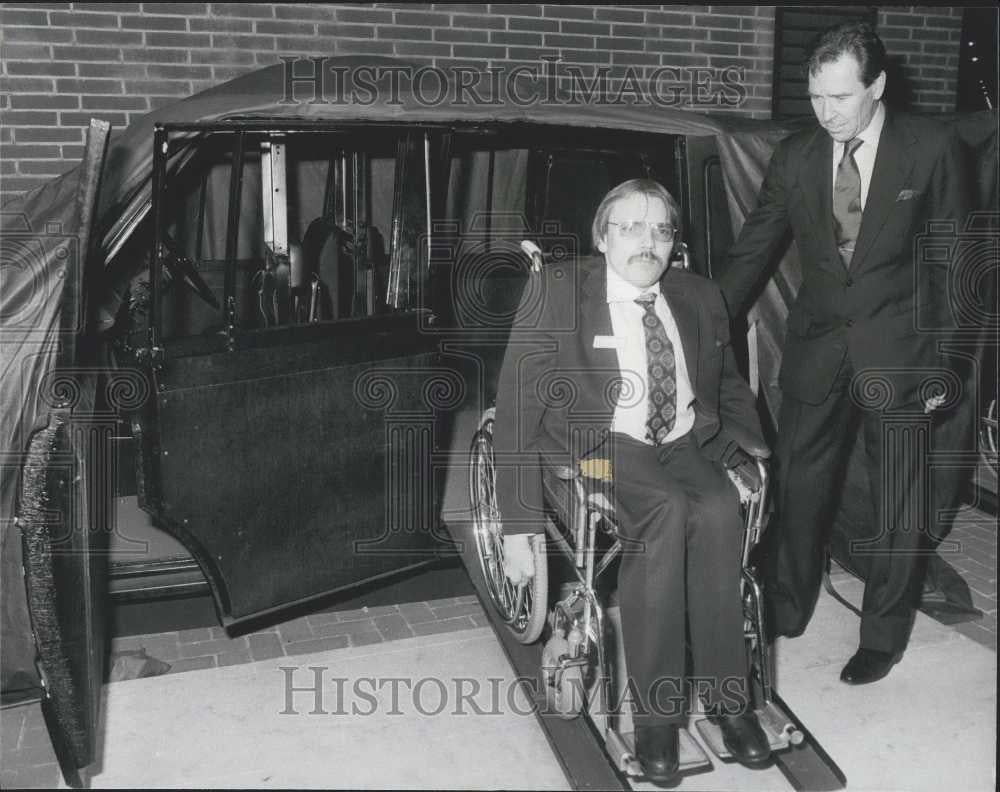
point(906, 195)
point(609, 342)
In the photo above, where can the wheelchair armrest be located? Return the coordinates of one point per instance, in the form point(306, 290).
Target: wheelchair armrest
point(595, 469)
point(749, 441)
point(560, 471)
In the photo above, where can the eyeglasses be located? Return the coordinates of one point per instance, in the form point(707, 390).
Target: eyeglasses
point(634, 229)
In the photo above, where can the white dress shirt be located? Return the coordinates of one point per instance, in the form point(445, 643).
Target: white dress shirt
point(864, 156)
point(626, 322)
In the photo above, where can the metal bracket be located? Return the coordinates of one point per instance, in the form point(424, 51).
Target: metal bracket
point(231, 324)
point(151, 355)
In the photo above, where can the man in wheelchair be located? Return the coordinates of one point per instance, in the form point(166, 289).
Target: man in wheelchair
point(621, 357)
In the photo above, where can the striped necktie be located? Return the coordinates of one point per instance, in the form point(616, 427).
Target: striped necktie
point(847, 202)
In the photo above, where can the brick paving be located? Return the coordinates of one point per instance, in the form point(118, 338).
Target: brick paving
point(970, 548)
point(27, 761)
point(211, 647)
point(974, 557)
point(26, 757)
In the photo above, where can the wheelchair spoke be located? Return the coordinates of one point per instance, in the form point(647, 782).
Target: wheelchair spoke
point(517, 607)
point(486, 521)
point(496, 580)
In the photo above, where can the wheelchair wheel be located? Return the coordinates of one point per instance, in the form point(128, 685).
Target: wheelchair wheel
point(522, 609)
point(988, 434)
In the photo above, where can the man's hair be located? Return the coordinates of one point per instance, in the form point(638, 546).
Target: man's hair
point(856, 38)
point(651, 189)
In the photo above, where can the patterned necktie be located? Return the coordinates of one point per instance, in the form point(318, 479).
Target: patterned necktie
point(661, 410)
point(847, 202)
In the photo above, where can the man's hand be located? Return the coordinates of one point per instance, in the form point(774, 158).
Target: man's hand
point(518, 560)
point(934, 402)
point(743, 466)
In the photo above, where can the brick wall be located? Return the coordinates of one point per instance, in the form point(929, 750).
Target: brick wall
point(65, 62)
point(925, 41)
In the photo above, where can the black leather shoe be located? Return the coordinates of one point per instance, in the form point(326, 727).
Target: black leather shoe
point(744, 738)
point(868, 665)
point(658, 750)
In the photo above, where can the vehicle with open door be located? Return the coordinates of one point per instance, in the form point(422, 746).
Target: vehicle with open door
point(289, 260)
point(286, 305)
point(278, 305)
point(296, 396)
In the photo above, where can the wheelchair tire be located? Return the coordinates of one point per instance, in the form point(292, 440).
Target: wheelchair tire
point(522, 609)
point(988, 435)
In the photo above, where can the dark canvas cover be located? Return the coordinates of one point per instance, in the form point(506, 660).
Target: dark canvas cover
point(54, 554)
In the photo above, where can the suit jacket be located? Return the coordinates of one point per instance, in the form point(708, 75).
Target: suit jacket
point(888, 311)
point(557, 390)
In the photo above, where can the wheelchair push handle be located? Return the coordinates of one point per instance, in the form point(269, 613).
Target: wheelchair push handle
point(534, 253)
point(748, 441)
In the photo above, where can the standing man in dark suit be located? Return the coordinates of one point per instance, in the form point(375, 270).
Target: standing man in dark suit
point(854, 194)
point(623, 358)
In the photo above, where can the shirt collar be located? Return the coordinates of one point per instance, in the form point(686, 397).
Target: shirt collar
point(873, 131)
point(620, 290)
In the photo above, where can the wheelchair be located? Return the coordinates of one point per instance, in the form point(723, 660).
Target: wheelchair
point(583, 662)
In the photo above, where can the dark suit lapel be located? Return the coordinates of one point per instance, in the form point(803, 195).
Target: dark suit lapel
point(598, 365)
point(815, 186)
point(682, 306)
point(595, 316)
point(893, 163)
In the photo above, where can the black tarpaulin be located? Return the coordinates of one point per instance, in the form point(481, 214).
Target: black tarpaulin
point(53, 555)
point(42, 261)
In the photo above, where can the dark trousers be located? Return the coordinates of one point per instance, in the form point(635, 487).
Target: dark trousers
point(680, 523)
point(814, 443)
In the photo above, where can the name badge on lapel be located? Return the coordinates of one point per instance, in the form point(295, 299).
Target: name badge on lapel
point(609, 342)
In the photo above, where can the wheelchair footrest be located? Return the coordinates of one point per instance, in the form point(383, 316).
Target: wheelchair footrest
point(776, 725)
point(621, 748)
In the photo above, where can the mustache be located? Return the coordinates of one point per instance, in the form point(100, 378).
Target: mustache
point(645, 256)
